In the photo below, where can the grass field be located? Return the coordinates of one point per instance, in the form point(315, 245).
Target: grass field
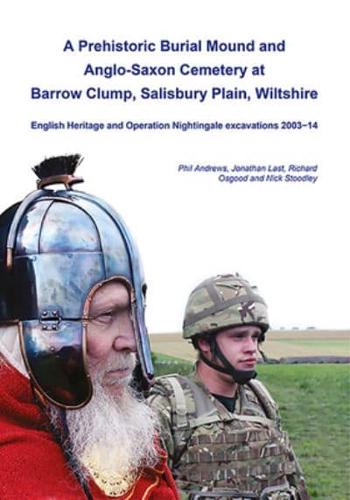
point(278, 344)
point(314, 402)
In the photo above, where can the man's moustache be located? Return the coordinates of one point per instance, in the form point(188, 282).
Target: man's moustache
point(118, 362)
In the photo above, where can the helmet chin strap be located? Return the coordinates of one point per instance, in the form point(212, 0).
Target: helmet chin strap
point(239, 376)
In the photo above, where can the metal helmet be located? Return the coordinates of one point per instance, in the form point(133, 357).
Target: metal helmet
point(56, 248)
point(221, 302)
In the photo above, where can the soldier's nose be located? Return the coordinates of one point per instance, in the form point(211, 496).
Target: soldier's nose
point(250, 343)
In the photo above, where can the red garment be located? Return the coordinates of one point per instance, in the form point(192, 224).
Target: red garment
point(32, 463)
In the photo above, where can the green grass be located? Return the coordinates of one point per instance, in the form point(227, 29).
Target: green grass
point(341, 344)
point(315, 407)
point(314, 403)
point(165, 364)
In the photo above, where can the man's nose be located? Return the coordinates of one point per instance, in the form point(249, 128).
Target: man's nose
point(124, 338)
point(250, 344)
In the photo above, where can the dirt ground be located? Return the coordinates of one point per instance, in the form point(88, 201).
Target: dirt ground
point(281, 343)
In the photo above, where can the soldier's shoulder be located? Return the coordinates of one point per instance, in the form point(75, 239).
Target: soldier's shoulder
point(262, 395)
point(160, 398)
point(171, 385)
point(167, 385)
point(177, 390)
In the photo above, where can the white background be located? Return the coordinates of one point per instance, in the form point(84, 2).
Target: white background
point(289, 239)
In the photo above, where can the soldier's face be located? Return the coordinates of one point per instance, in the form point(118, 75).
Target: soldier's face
point(110, 333)
point(240, 345)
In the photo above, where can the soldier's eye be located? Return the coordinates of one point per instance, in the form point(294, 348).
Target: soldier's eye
point(238, 336)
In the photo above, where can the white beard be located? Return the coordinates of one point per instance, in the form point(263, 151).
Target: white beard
point(114, 432)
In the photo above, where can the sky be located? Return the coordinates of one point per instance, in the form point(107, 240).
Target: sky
point(289, 238)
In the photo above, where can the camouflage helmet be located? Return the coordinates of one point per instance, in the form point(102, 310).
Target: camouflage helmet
point(221, 302)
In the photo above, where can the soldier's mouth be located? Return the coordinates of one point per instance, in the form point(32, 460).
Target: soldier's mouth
point(250, 362)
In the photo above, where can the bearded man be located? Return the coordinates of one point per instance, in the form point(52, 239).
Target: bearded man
point(74, 351)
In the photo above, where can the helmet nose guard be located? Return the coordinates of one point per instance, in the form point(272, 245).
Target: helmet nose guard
point(55, 247)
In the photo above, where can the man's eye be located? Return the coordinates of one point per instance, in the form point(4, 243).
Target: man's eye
point(104, 317)
point(107, 314)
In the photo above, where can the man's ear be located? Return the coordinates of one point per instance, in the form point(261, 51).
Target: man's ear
point(204, 346)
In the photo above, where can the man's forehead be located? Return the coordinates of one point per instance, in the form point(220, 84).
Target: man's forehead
point(112, 294)
point(242, 329)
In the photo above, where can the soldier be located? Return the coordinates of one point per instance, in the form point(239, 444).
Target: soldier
point(220, 426)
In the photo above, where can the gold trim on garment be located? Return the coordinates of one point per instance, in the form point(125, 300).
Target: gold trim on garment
point(113, 485)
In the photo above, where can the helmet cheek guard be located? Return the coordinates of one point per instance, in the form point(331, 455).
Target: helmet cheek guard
point(55, 361)
point(57, 248)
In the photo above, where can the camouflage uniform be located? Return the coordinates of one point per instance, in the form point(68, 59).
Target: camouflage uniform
point(215, 453)
point(212, 449)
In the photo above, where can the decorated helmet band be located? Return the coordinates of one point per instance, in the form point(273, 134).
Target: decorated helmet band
point(57, 247)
